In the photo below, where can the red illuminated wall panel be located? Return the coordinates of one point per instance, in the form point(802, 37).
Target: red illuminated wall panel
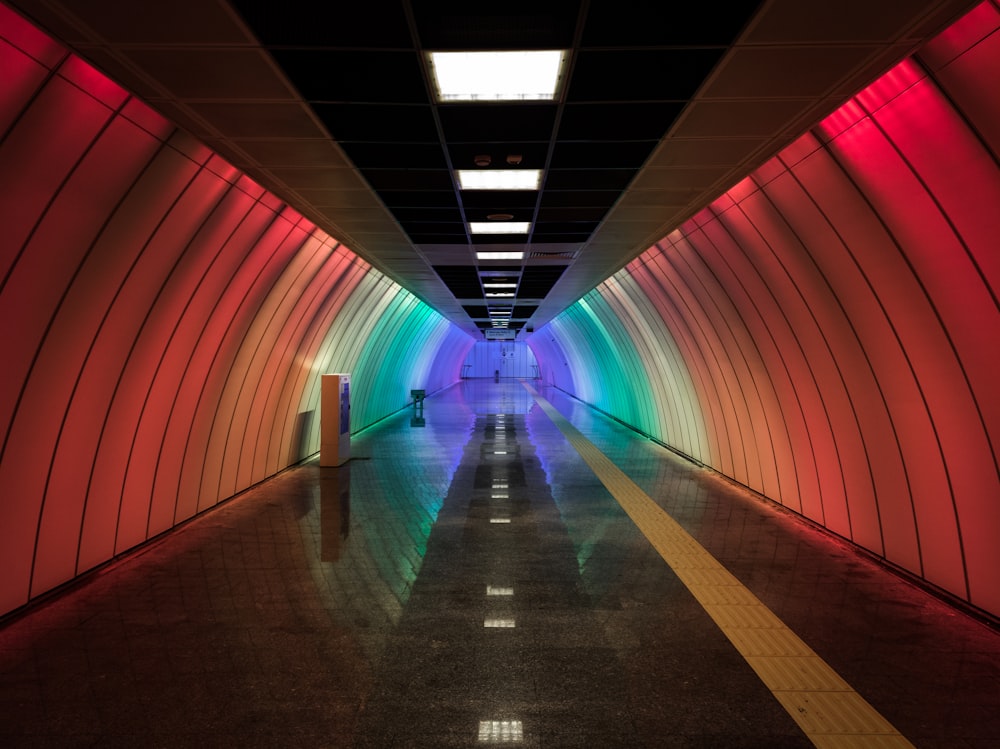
point(838, 315)
point(163, 317)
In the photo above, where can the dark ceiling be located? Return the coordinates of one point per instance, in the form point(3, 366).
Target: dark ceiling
point(330, 105)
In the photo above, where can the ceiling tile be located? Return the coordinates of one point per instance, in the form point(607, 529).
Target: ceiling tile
point(621, 75)
point(294, 152)
point(326, 75)
point(727, 119)
point(378, 123)
point(498, 122)
point(214, 73)
point(785, 71)
point(258, 119)
point(610, 24)
point(373, 23)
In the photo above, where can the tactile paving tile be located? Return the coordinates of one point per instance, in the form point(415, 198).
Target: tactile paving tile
point(823, 705)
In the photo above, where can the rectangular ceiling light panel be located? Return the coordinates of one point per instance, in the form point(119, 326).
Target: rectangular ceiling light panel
point(498, 255)
point(497, 76)
point(499, 227)
point(499, 179)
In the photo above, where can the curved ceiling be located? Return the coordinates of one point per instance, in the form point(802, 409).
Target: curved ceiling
point(331, 108)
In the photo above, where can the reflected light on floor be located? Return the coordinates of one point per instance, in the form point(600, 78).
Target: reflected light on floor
point(500, 730)
point(499, 623)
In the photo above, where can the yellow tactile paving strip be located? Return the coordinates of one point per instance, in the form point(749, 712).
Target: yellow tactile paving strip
point(825, 707)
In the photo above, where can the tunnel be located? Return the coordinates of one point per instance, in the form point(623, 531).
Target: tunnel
point(822, 336)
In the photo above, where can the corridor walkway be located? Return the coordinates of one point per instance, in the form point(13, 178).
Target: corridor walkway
point(505, 566)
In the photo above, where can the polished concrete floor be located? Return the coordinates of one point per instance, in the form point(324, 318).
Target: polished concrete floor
point(466, 580)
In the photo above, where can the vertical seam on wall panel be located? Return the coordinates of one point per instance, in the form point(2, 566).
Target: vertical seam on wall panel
point(233, 271)
point(336, 328)
point(376, 351)
point(623, 351)
point(764, 324)
point(863, 196)
point(227, 419)
point(190, 294)
point(636, 322)
point(944, 329)
point(972, 259)
point(112, 116)
point(25, 108)
point(917, 59)
point(329, 279)
point(355, 308)
point(686, 415)
point(699, 318)
point(826, 345)
point(850, 324)
point(121, 374)
point(288, 237)
point(742, 353)
point(27, 240)
point(307, 342)
point(90, 348)
point(688, 342)
point(796, 470)
point(805, 359)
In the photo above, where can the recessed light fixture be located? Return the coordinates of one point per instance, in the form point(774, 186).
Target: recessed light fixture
point(499, 179)
point(493, 285)
point(495, 294)
point(515, 75)
point(499, 227)
point(500, 255)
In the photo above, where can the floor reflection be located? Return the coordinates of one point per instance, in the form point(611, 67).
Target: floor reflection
point(346, 607)
point(490, 645)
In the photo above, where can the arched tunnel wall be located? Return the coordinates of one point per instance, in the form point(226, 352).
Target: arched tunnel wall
point(165, 323)
point(826, 333)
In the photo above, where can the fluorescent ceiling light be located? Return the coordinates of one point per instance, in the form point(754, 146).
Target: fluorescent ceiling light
point(499, 285)
point(495, 294)
point(499, 179)
point(497, 76)
point(500, 255)
point(499, 227)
